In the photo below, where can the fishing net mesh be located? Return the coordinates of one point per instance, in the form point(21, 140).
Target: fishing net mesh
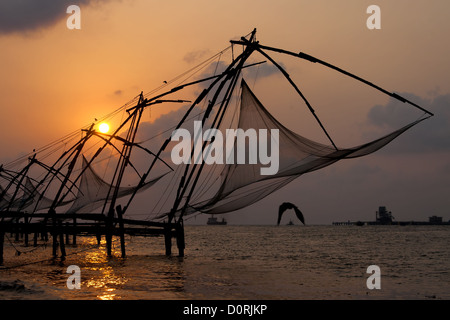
point(243, 184)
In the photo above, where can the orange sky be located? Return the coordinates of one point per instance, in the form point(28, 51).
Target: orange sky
point(55, 80)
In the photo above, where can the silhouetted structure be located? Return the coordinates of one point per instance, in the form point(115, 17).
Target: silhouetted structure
point(65, 194)
point(385, 217)
point(214, 222)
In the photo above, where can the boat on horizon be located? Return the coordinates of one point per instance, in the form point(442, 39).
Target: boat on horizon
point(213, 221)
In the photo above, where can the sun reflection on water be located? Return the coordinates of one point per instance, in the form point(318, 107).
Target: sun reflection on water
point(103, 272)
point(141, 274)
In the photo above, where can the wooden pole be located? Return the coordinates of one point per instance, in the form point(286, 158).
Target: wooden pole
point(121, 230)
point(168, 239)
point(25, 228)
point(67, 233)
point(108, 235)
point(2, 241)
point(99, 235)
point(180, 238)
point(74, 239)
point(61, 240)
point(17, 229)
point(54, 233)
point(44, 235)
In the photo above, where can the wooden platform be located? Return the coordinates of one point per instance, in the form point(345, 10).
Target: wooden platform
point(62, 227)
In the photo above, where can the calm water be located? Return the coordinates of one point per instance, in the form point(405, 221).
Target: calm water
point(244, 262)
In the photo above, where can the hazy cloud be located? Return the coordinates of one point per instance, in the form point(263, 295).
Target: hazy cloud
point(195, 56)
point(430, 135)
point(392, 114)
point(25, 16)
point(163, 125)
point(265, 70)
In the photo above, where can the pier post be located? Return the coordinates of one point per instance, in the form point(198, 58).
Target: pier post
point(121, 230)
point(74, 239)
point(54, 233)
point(2, 241)
point(99, 236)
point(61, 240)
point(108, 238)
point(25, 228)
point(67, 233)
point(168, 239)
point(35, 239)
point(17, 227)
point(108, 234)
point(180, 238)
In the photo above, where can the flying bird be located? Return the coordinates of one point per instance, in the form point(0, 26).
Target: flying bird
point(287, 205)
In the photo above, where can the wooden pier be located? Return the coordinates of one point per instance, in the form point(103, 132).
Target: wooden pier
point(63, 228)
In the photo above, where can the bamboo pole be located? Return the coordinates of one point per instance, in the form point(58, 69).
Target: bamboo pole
point(25, 229)
point(121, 230)
point(67, 233)
point(108, 235)
point(54, 233)
point(2, 241)
point(74, 239)
point(61, 240)
point(180, 238)
point(16, 238)
point(168, 239)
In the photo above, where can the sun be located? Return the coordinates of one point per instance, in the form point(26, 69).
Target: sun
point(103, 128)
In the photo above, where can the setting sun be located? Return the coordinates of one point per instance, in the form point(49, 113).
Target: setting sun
point(103, 128)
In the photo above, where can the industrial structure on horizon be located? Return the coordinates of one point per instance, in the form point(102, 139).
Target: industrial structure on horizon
point(385, 217)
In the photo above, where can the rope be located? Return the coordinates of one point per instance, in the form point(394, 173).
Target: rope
point(18, 252)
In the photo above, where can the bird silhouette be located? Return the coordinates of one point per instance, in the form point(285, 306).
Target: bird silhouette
point(287, 205)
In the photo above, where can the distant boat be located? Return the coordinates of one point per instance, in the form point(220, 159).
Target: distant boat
point(213, 221)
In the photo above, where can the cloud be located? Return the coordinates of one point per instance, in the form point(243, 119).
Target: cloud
point(162, 126)
point(152, 135)
point(392, 114)
point(431, 135)
point(265, 70)
point(195, 56)
point(27, 16)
